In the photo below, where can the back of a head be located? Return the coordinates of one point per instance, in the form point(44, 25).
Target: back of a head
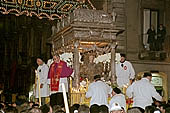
point(83, 109)
point(11, 110)
point(103, 109)
point(97, 77)
point(56, 108)
point(24, 111)
point(60, 111)
point(35, 110)
point(167, 110)
point(117, 90)
point(45, 108)
point(134, 110)
point(157, 111)
point(146, 74)
point(74, 107)
point(94, 108)
point(150, 109)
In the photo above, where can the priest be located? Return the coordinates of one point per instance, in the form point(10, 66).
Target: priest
point(58, 74)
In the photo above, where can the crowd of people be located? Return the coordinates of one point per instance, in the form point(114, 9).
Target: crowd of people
point(31, 107)
point(50, 77)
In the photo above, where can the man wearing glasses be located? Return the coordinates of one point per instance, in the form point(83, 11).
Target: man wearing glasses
point(58, 74)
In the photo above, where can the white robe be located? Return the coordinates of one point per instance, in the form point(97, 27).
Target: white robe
point(42, 71)
point(125, 73)
point(98, 91)
point(62, 80)
point(142, 92)
point(120, 99)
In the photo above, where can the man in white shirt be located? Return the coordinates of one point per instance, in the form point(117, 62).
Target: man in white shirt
point(98, 91)
point(118, 97)
point(142, 92)
point(124, 72)
point(115, 108)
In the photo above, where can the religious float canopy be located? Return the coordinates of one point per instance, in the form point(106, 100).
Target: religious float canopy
point(86, 30)
point(51, 9)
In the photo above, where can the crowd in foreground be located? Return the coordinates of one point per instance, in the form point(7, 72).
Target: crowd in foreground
point(30, 107)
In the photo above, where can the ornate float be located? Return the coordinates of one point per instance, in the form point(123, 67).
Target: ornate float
point(89, 33)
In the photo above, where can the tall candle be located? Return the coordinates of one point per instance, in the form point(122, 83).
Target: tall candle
point(39, 95)
point(65, 98)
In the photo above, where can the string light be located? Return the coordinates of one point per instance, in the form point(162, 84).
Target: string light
point(55, 15)
point(26, 12)
point(27, 3)
point(38, 3)
point(67, 7)
point(46, 9)
point(12, 10)
point(51, 7)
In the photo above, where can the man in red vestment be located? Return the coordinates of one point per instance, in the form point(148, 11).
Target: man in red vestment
point(58, 74)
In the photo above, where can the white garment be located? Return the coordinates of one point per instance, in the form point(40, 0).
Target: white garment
point(98, 91)
point(49, 62)
point(62, 80)
point(120, 99)
point(142, 92)
point(42, 71)
point(124, 72)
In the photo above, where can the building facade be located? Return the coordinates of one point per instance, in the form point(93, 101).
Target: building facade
point(136, 17)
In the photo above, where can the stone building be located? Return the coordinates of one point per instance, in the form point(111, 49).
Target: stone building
point(136, 16)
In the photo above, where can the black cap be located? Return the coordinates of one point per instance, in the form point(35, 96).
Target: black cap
point(40, 57)
point(122, 55)
point(117, 90)
point(146, 74)
point(97, 77)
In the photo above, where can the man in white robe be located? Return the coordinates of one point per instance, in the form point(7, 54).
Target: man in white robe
point(124, 72)
point(42, 72)
point(98, 91)
point(118, 97)
point(142, 92)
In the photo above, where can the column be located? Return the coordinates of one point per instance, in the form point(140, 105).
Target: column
point(76, 65)
point(113, 71)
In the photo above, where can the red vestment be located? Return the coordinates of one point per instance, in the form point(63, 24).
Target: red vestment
point(57, 71)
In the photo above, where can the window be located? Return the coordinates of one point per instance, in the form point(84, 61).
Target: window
point(150, 17)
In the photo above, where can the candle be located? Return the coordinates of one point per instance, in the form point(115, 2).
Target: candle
point(71, 86)
point(39, 95)
point(65, 98)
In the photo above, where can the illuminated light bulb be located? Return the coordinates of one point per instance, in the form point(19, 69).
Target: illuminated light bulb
point(40, 17)
point(52, 18)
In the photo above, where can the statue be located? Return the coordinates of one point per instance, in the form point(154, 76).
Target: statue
point(114, 15)
point(88, 69)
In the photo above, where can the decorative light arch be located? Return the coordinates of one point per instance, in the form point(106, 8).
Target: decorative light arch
point(51, 9)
